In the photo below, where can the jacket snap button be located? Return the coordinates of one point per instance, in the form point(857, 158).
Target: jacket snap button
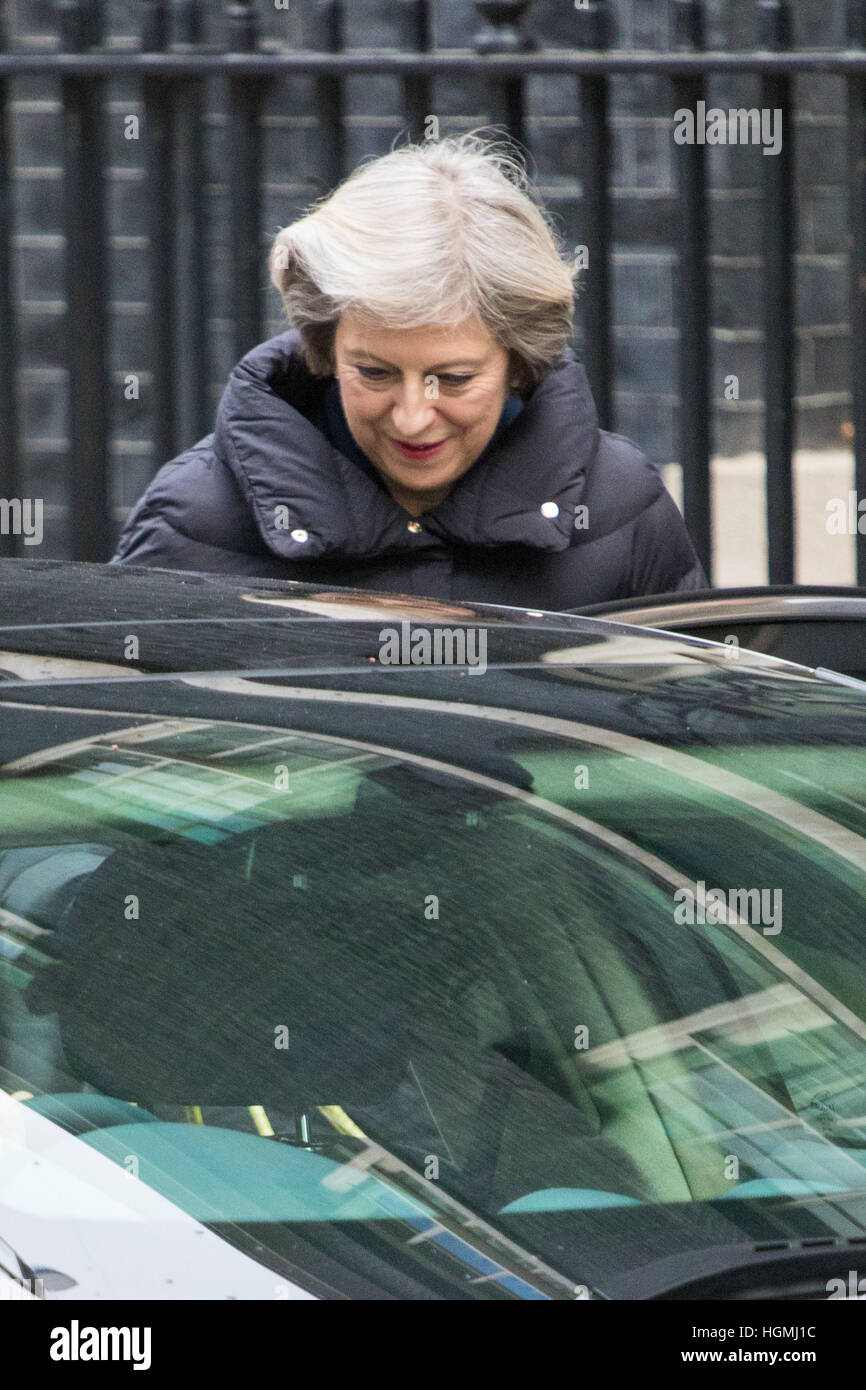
point(300, 535)
point(414, 527)
point(549, 509)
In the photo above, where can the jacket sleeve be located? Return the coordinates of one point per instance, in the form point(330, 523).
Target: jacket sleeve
point(154, 541)
point(149, 539)
point(191, 517)
point(663, 557)
point(154, 533)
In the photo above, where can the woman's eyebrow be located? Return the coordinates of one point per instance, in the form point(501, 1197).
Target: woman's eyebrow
point(469, 362)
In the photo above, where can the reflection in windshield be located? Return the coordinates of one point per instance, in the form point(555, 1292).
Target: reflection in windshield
point(363, 1011)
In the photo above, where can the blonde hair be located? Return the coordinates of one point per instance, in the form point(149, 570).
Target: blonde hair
point(431, 234)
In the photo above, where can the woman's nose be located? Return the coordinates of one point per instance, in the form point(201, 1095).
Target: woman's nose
point(413, 411)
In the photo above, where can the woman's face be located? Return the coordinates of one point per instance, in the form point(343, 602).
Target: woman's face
point(422, 403)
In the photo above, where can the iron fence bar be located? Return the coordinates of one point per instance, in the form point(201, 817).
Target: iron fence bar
point(193, 355)
point(594, 304)
point(86, 325)
point(330, 97)
point(501, 33)
point(417, 29)
point(245, 182)
point(779, 240)
point(566, 62)
point(159, 96)
point(693, 295)
point(10, 480)
point(857, 263)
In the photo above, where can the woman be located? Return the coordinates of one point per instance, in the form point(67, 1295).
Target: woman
point(424, 427)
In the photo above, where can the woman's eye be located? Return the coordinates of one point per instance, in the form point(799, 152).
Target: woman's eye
point(381, 373)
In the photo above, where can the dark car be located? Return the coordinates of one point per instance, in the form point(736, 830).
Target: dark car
point(363, 946)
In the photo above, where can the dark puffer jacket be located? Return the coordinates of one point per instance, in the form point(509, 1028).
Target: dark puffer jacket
point(268, 494)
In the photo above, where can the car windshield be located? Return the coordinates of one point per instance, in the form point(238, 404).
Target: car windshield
point(385, 1023)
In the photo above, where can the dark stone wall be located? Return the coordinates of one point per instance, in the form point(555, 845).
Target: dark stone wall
point(645, 220)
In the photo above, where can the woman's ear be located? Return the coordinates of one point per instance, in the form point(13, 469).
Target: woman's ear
point(516, 376)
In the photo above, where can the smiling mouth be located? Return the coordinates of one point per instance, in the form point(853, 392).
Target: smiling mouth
point(418, 451)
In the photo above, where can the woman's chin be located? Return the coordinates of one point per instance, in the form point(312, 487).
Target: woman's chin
point(424, 475)
point(416, 478)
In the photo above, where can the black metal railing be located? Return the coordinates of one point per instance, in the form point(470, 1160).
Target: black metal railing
point(172, 65)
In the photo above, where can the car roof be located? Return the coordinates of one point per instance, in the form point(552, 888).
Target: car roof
point(86, 649)
point(67, 611)
point(44, 593)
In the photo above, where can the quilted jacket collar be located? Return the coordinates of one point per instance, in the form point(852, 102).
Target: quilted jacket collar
point(309, 500)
